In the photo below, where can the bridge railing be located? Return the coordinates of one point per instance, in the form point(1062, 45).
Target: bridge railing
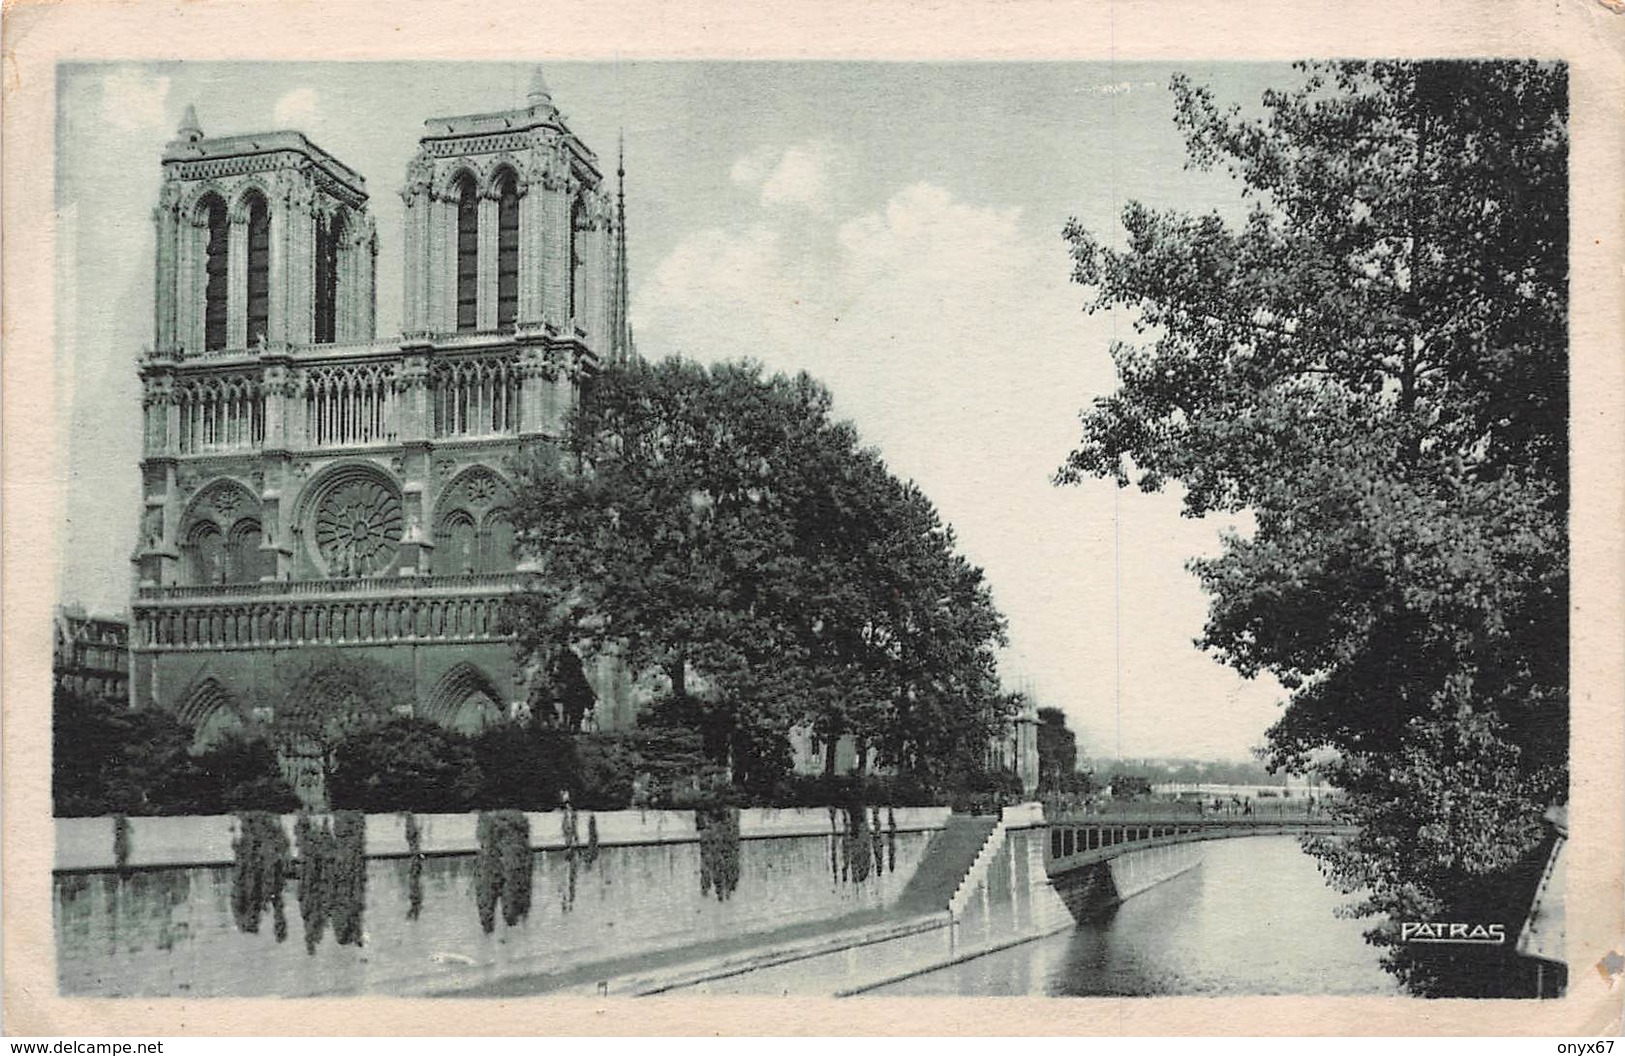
point(1080, 839)
point(1293, 808)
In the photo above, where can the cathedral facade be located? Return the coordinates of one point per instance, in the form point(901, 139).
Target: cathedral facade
point(314, 495)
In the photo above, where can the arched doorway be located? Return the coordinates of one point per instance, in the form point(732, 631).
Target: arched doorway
point(465, 700)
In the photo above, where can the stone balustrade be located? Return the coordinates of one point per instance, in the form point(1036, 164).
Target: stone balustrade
point(477, 582)
point(322, 612)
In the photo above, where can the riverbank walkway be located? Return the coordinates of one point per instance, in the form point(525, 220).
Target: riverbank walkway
point(921, 907)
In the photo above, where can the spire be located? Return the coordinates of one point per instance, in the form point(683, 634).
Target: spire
point(621, 342)
point(538, 94)
point(189, 130)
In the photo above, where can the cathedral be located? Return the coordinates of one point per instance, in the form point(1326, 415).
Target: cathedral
point(313, 494)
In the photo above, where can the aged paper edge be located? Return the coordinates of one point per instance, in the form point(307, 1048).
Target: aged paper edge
point(1583, 32)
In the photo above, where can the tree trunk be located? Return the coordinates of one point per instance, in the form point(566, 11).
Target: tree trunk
point(829, 755)
point(678, 673)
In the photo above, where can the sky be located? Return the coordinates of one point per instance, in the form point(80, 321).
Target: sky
point(892, 228)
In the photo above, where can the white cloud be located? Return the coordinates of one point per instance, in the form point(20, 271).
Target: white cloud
point(799, 175)
point(801, 178)
point(751, 169)
point(132, 99)
point(296, 109)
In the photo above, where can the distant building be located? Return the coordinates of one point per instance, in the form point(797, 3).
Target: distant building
point(90, 655)
point(1016, 750)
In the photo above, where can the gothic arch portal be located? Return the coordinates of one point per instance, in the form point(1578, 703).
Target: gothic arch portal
point(465, 700)
point(210, 710)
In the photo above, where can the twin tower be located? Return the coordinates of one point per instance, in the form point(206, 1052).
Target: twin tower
point(316, 500)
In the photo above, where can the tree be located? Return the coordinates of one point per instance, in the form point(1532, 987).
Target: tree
point(1130, 786)
point(525, 766)
point(645, 767)
point(661, 534)
point(898, 629)
point(716, 524)
point(1374, 364)
point(946, 702)
point(239, 772)
point(404, 764)
point(108, 759)
point(1057, 750)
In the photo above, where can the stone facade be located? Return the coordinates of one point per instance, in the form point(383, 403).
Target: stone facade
point(310, 491)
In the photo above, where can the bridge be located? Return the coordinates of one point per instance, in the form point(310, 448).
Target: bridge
point(1094, 861)
point(1076, 841)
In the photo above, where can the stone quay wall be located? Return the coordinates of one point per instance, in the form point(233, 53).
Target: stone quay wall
point(165, 926)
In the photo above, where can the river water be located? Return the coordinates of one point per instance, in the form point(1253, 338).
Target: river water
point(1255, 917)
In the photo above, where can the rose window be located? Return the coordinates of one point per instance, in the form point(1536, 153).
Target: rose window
point(358, 528)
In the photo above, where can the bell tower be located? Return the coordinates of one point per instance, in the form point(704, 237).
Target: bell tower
point(264, 240)
point(264, 246)
point(509, 228)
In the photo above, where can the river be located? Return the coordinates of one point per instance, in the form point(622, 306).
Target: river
point(1255, 917)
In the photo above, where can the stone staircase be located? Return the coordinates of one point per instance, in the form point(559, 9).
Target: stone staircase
point(948, 861)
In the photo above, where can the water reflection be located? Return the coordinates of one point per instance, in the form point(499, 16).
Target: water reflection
point(1254, 918)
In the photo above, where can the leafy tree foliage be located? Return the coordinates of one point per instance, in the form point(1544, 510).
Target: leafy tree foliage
point(1205, 771)
point(239, 772)
point(563, 697)
point(645, 767)
point(1057, 750)
point(1129, 786)
point(716, 525)
point(1374, 363)
point(405, 764)
point(108, 759)
point(525, 766)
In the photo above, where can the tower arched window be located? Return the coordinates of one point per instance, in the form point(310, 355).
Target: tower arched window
point(215, 257)
point(329, 232)
point(507, 250)
point(577, 219)
point(468, 249)
point(259, 269)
